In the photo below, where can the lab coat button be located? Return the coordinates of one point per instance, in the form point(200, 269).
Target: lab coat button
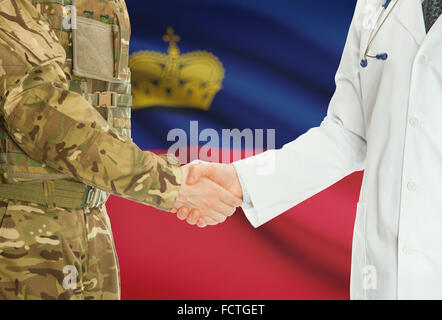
point(423, 60)
point(407, 251)
point(411, 186)
point(414, 122)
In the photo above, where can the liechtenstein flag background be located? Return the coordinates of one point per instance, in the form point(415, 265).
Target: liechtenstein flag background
point(280, 57)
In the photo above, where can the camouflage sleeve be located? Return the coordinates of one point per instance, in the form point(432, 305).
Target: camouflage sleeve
point(60, 128)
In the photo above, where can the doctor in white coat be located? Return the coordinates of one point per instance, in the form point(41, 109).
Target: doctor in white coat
point(385, 117)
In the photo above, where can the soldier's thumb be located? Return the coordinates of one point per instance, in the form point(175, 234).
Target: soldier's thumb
point(195, 174)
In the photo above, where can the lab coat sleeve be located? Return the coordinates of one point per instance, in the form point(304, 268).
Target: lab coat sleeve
point(277, 180)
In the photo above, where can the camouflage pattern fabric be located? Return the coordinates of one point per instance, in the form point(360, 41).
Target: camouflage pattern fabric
point(56, 253)
point(60, 128)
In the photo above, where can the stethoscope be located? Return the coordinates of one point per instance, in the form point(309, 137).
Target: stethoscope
point(374, 33)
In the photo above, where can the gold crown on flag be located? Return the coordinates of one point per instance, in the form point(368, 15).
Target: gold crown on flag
point(175, 80)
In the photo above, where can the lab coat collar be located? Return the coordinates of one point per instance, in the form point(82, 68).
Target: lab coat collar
point(410, 16)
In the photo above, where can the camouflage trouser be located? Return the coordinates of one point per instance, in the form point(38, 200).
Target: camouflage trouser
point(56, 253)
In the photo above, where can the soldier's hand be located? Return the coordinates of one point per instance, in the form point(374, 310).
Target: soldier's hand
point(203, 202)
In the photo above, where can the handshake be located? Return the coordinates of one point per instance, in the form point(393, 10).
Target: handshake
point(209, 194)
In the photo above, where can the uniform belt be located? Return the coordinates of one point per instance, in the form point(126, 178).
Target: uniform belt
point(55, 193)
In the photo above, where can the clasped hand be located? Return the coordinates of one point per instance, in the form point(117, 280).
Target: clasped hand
point(209, 194)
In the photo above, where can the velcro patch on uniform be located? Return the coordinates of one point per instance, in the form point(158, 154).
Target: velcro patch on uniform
point(93, 43)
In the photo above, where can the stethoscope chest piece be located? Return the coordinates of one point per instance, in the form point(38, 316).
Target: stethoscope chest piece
point(380, 56)
point(364, 63)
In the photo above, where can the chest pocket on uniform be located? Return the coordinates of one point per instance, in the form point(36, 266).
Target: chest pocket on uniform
point(94, 50)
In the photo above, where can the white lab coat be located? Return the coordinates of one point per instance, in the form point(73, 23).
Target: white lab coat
point(386, 119)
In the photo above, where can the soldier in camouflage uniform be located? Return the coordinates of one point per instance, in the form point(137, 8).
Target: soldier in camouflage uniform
point(64, 146)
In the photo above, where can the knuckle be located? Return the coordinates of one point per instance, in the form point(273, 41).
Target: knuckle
point(183, 212)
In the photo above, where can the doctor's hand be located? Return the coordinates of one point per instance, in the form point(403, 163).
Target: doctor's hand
point(203, 202)
point(222, 174)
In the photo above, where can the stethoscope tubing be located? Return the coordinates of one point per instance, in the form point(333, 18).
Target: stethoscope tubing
point(374, 33)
